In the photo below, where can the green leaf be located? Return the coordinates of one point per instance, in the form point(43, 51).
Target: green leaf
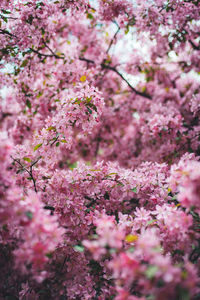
point(77, 101)
point(89, 16)
point(79, 248)
point(151, 222)
point(5, 227)
point(5, 19)
point(57, 144)
point(134, 189)
point(29, 215)
point(151, 271)
point(131, 249)
point(24, 63)
point(5, 11)
point(27, 159)
point(73, 165)
point(37, 146)
point(39, 94)
point(120, 184)
point(90, 111)
point(49, 255)
point(91, 105)
point(30, 19)
point(43, 31)
point(88, 99)
point(51, 128)
point(28, 103)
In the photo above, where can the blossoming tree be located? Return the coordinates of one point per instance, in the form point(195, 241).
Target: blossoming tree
point(99, 149)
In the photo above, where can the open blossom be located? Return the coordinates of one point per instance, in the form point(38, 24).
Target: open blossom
point(185, 176)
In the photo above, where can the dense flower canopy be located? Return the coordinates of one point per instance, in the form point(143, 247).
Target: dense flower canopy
point(99, 149)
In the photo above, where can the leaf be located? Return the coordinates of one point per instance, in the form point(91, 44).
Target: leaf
point(5, 227)
point(20, 171)
point(5, 11)
point(63, 141)
point(131, 249)
point(151, 222)
point(112, 174)
point(73, 165)
point(89, 16)
point(24, 63)
point(39, 94)
point(77, 101)
point(88, 99)
point(43, 31)
point(5, 19)
point(51, 128)
point(92, 106)
point(151, 271)
point(90, 111)
point(28, 103)
point(134, 189)
point(49, 255)
point(29, 214)
point(37, 146)
point(79, 248)
point(27, 159)
point(57, 144)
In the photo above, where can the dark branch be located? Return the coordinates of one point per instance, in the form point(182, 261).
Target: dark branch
point(52, 52)
point(195, 47)
point(87, 60)
point(4, 31)
point(46, 55)
point(128, 83)
point(103, 65)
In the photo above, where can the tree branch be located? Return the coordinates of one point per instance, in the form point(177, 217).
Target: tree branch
point(46, 55)
point(112, 40)
point(195, 47)
point(108, 67)
point(103, 65)
point(4, 31)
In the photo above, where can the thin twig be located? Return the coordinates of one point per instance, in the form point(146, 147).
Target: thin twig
point(112, 40)
point(30, 172)
point(52, 52)
point(46, 55)
point(8, 17)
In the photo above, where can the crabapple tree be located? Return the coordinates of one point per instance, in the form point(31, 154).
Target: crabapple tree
point(99, 149)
